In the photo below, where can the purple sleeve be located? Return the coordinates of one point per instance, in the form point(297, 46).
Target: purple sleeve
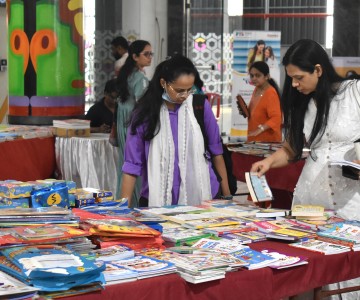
point(212, 130)
point(134, 157)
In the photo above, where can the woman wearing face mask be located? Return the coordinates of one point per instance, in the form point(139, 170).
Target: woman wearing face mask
point(165, 145)
point(132, 84)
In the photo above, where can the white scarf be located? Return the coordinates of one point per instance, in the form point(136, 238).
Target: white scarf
point(194, 170)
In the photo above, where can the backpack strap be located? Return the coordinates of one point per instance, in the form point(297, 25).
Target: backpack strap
point(198, 107)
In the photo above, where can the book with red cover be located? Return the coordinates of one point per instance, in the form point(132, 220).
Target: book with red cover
point(242, 106)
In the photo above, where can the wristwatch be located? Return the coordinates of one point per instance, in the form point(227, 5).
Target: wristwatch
point(261, 127)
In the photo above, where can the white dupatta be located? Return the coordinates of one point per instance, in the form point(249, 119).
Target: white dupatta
point(194, 169)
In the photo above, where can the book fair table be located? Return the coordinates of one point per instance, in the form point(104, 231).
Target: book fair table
point(89, 161)
point(282, 181)
point(264, 283)
point(27, 159)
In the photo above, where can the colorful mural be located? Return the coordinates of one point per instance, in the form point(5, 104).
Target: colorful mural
point(46, 60)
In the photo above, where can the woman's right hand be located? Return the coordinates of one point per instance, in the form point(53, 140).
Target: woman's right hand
point(260, 167)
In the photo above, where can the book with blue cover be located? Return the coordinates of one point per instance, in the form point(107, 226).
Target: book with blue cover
point(53, 268)
point(258, 187)
point(255, 259)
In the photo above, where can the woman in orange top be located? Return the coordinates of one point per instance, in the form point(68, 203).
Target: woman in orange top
point(264, 124)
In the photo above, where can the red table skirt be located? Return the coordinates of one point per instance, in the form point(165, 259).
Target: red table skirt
point(257, 284)
point(27, 159)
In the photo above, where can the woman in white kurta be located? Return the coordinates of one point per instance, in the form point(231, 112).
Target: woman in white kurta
point(321, 111)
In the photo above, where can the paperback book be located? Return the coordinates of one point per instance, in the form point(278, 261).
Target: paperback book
point(258, 187)
point(321, 247)
point(255, 259)
point(284, 260)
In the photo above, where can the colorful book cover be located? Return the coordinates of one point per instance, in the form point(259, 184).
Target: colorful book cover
point(224, 245)
point(284, 260)
point(343, 231)
point(255, 259)
point(146, 266)
point(321, 246)
point(206, 223)
point(181, 234)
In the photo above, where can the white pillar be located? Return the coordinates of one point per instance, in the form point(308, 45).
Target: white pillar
point(147, 20)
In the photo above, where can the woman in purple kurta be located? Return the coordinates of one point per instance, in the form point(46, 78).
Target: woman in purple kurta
point(165, 146)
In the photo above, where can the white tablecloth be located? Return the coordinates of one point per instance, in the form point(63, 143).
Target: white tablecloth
point(89, 161)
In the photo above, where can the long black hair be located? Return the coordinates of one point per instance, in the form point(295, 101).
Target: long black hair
point(255, 49)
point(129, 67)
point(147, 109)
point(305, 54)
point(263, 68)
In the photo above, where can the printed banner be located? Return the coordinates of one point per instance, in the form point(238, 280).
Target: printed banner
point(244, 47)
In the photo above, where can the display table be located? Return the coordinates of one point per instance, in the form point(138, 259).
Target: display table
point(282, 181)
point(257, 284)
point(89, 161)
point(27, 159)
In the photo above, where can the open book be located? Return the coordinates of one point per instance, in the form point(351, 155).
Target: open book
point(243, 109)
point(258, 187)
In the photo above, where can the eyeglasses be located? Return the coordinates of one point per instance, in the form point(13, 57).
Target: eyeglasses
point(183, 93)
point(147, 54)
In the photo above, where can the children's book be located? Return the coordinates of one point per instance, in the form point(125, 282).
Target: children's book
point(11, 288)
point(284, 260)
point(146, 266)
point(321, 246)
point(107, 226)
point(180, 235)
point(258, 187)
point(253, 236)
point(255, 259)
point(53, 268)
point(201, 278)
point(114, 273)
point(222, 230)
point(235, 210)
point(115, 252)
point(349, 232)
point(206, 223)
point(223, 245)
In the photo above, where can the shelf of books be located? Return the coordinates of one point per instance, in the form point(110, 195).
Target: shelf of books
point(58, 240)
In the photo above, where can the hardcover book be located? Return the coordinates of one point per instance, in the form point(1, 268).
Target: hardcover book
point(242, 106)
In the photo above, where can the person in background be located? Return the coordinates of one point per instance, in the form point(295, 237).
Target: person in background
point(132, 84)
point(321, 111)
point(256, 53)
point(264, 124)
point(102, 112)
point(272, 62)
point(165, 145)
point(119, 49)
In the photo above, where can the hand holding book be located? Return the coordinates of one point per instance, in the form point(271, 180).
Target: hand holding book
point(242, 107)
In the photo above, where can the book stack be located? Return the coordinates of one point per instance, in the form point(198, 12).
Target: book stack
point(71, 128)
point(321, 247)
point(345, 233)
point(179, 236)
point(50, 267)
point(107, 231)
